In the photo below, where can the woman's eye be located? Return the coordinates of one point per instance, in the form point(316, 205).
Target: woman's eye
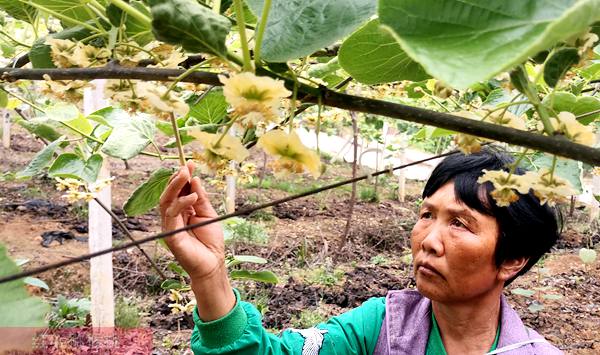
point(426, 215)
point(457, 223)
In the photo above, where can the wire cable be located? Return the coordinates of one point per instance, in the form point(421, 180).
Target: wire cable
point(246, 211)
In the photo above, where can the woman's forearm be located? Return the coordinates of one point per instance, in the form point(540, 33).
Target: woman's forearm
point(214, 296)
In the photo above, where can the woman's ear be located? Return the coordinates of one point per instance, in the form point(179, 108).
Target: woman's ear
point(509, 268)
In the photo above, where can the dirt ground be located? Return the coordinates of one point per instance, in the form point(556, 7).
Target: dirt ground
point(317, 278)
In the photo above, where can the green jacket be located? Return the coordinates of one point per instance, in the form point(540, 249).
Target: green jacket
point(241, 332)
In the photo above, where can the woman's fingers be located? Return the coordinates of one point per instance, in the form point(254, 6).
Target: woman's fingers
point(180, 205)
point(202, 205)
point(179, 180)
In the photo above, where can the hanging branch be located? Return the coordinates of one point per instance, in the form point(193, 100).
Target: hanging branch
point(241, 212)
point(354, 168)
point(555, 145)
point(130, 236)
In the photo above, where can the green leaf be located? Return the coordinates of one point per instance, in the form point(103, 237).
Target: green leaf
point(298, 28)
point(210, 109)
point(40, 161)
point(110, 116)
point(189, 24)
point(129, 139)
point(587, 256)
point(552, 297)
point(171, 284)
point(135, 29)
point(260, 276)
point(62, 112)
point(35, 282)
point(147, 195)
point(462, 42)
point(70, 165)
point(522, 292)
point(371, 55)
point(3, 99)
point(74, 9)
point(535, 307)
point(591, 72)
point(558, 64)
point(81, 125)
point(239, 259)
point(173, 266)
point(568, 169)
point(565, 101)
point(41, 127)
point(19, 10)
point(18, 309)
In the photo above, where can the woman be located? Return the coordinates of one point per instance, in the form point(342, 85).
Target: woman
point(465, 250)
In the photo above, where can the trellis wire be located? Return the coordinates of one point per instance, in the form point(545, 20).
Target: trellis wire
point(246, 211)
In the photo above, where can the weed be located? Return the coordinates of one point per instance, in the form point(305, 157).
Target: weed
point(261, 215)
point(127, 313)
point(379, 260)
point(241, 230)
point(326, 276)
point(308, 318)
point(68, 313)
point(32, 192)
point(368, 194)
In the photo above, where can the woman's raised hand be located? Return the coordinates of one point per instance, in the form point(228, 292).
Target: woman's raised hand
point(200, 251)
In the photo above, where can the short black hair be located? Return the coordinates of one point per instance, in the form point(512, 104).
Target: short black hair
point(526, 228)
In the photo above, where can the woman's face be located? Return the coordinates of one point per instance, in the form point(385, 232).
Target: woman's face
point(453, 249)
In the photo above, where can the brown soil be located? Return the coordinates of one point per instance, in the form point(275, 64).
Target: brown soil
point(303, 236)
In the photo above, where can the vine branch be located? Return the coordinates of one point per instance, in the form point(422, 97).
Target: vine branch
point(556, 144)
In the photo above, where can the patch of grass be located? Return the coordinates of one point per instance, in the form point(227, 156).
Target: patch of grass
point(368, 194)
point(308, 318)
point(69, 312)
point(262, 215)
point(242, 230)
point(32, 192)
point(127, 313)
point(326, 276)
point(379, 260)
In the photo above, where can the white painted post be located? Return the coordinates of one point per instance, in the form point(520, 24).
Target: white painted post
point(230, 181)
point(100, 233)
point(5, 129)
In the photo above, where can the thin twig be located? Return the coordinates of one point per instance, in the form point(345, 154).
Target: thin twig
point(128, 234)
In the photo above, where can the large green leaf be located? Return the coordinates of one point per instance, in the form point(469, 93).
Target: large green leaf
point(129, 139)
point(371, 55)
point(39, 55)
point(568, 169)
point(62, 112)
point(74, 10)
point(210, 109)
point(463, 42)
point(298, 28)
point(18, 309)
point(260, 276)
point(18, 10)
point(565, 101)
point(70, 165)
point(193, 26)
point(41, 127)
point(147, 195)
point(40, 161)
point(135, 29)
point(559, 63)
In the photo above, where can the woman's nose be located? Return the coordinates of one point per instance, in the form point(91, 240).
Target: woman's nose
point(432, 243)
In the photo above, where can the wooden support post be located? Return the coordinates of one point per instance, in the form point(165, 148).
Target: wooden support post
point(100, 234)
point(5, 128)
point(230, 180)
